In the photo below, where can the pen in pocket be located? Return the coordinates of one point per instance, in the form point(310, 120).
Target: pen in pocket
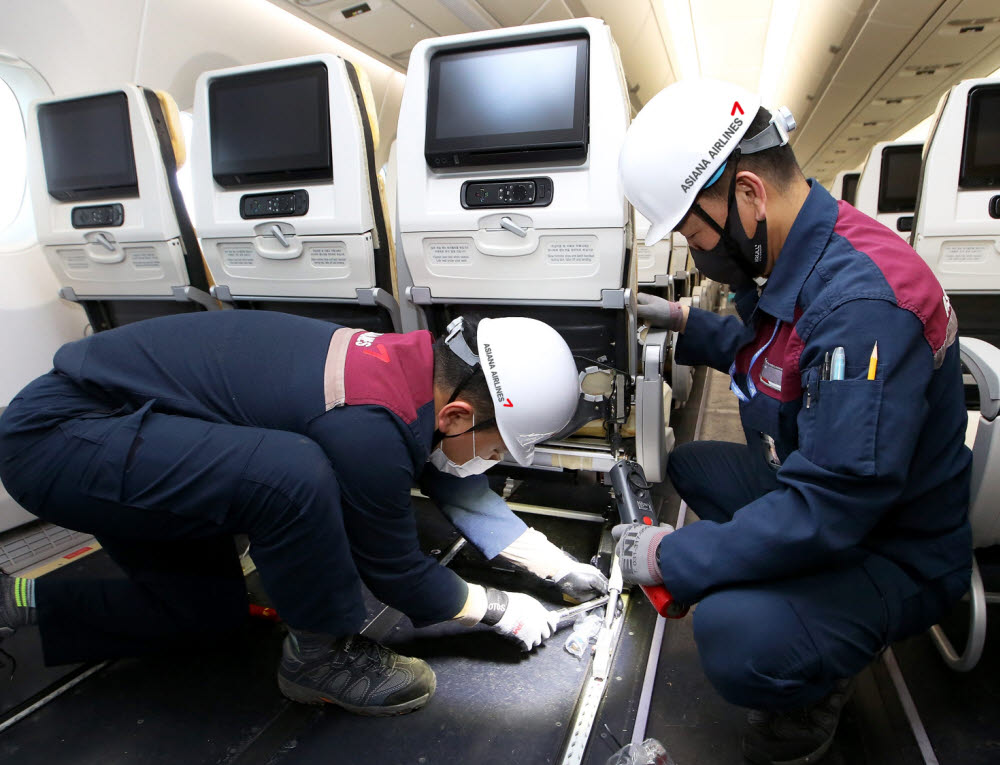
point(837, 363)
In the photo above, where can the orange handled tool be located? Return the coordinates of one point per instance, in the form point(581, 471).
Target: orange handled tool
point(635, 506)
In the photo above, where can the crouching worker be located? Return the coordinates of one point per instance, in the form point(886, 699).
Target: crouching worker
point(165, 438)
point(841, 525)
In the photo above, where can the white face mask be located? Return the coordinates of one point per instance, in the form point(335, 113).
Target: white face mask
point(475, 466)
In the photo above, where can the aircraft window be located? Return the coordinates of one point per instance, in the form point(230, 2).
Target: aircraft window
point(13, 158)
point(981, 152)
point(899, 180)
point(849, 190)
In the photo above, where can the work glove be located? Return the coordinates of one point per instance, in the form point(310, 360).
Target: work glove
point(581, 582)
point(661, 313)
point(638, 550)
point(519, 617)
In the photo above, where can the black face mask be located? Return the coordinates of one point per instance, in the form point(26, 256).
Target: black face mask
point(737, 259)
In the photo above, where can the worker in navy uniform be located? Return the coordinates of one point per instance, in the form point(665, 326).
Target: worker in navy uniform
point(166, 437)
point(841, 525)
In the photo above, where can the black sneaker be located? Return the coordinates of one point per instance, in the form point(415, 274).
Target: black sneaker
point(355, 673)
point(795, 737)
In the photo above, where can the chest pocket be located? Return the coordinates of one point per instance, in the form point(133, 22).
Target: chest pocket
point(839, 429)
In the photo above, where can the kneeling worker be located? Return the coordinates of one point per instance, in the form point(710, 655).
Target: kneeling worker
point(841, 526)
point(166, 437)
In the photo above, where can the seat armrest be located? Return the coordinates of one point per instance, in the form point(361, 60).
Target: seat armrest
point(983, 361)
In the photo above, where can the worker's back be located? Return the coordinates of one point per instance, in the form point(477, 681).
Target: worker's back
point(263, 369)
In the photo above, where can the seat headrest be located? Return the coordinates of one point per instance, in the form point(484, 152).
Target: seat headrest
point(173, 119)
point(369, 99)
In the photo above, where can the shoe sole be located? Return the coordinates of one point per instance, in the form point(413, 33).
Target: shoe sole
point(303, 695)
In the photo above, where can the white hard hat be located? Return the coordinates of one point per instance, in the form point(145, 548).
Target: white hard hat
point(678, 143)
point(534, 381)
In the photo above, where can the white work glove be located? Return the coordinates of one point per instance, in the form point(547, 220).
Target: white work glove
point(519, 617)
point(660, 313)
point(638, 549)
point(581, 582)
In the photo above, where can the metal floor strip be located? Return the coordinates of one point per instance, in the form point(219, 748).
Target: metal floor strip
point(916, 725)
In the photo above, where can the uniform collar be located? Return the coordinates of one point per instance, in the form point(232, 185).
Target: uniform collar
point(808, 237)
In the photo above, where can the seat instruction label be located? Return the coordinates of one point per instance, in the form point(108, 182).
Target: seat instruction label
point(237, 254)
point(327, 255)
point(448, 252)
point(570, 252)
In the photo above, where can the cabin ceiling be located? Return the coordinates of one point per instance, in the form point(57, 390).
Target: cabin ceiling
point(853, 72)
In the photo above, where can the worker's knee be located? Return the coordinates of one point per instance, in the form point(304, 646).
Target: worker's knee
point(679, 468)
point(289, 480)
point(756, 651)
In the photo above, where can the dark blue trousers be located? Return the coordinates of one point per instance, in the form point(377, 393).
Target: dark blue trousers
point(164, 495)
point(782, 644)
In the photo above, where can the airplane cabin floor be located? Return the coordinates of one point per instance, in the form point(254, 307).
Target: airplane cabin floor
point(218, 703)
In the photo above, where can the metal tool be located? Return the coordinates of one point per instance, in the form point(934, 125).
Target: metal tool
point(569, 614)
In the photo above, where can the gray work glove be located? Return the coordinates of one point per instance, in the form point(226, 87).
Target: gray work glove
point(581, 582)
point(638, 549)
point(519, 617)
point(657, 312)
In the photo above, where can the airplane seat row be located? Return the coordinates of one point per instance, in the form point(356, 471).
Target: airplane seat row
point(957, 219)
point(287, 199)
point(506, 195)
point(887, 186)
point(108, 210)
point(509, 204)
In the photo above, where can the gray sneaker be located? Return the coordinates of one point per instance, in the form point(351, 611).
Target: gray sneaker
point(355, 673)
point(795, 737)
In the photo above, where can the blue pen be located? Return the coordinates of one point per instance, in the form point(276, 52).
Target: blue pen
point(837, 362)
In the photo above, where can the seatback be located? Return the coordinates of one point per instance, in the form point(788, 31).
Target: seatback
point(108, 211)
point(957, 222)
point(509, 203)
point(653, 262)
point(845, 185)
point(286, 192)
point(887, 187)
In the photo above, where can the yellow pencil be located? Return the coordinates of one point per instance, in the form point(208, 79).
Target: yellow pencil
point(873, 362)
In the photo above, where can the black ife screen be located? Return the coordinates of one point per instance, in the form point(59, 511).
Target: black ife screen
point(271, 126)
point(87, 148)
point(900, 178)
point(849, 188)
point(981, 152)
point(500, 105)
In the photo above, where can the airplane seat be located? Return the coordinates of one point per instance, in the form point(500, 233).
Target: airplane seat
point(680, 265)
point(653, 262)
point(287, 197)
point(845, 185)
point(957, 223)
point(509, 204)
point(108, 211)
point(887, 186)
point(983, 437)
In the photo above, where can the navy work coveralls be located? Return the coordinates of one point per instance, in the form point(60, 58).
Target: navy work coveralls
point(845, 528)
point(166, 437)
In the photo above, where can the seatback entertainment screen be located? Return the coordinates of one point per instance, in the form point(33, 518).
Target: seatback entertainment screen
point(271, 126)
point(525, 101)
point(87, 148)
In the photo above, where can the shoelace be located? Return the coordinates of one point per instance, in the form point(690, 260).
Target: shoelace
point(375, 655)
